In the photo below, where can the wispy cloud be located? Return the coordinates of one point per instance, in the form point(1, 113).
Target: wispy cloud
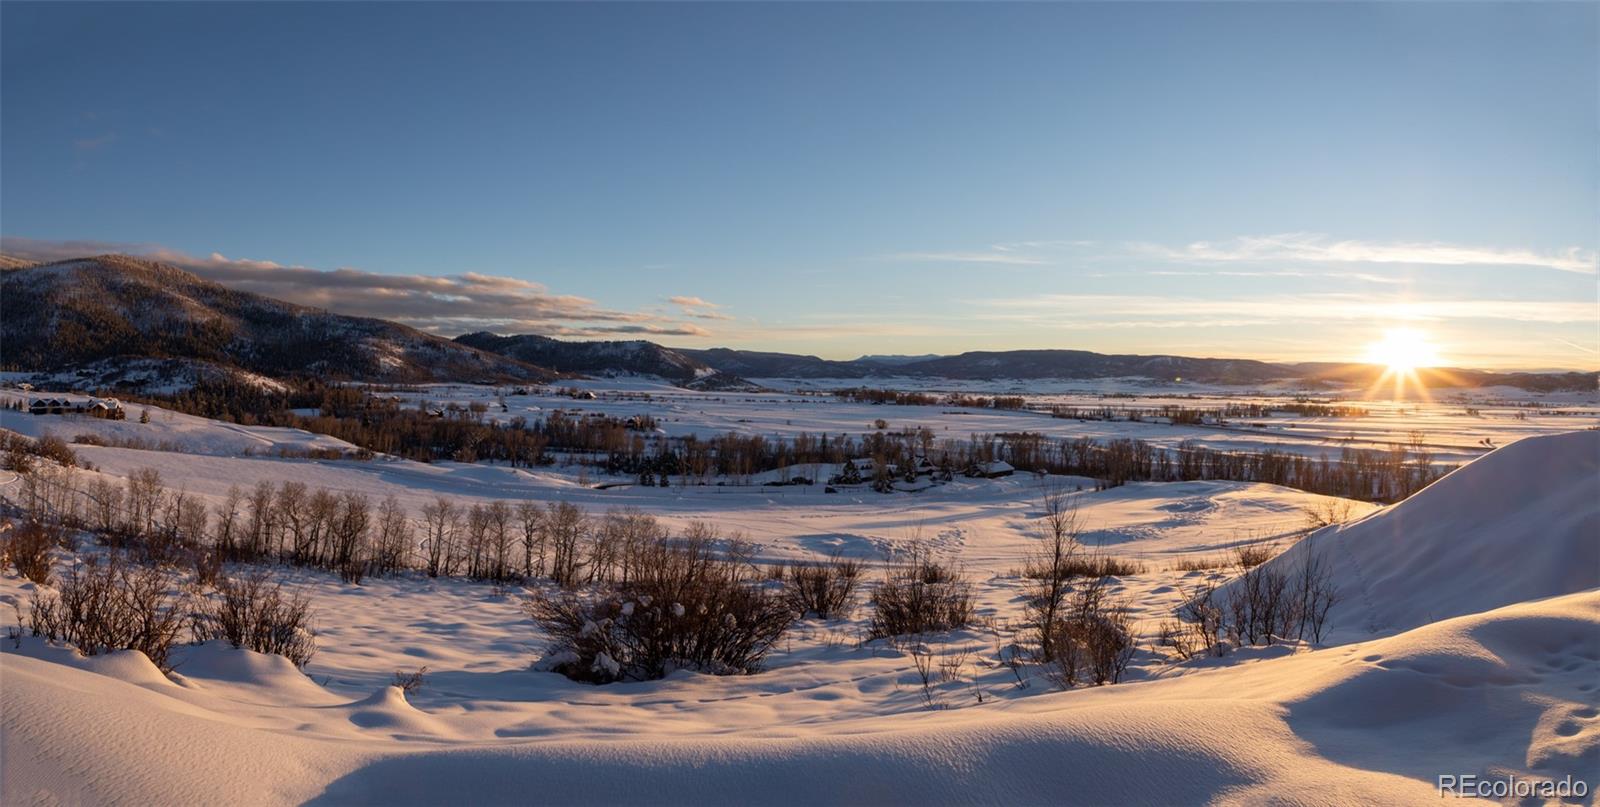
point(1283, 251)
point(698, 308)
point(1097, 310)
point(1322, 249)
point(447, 304)
point(996, 256)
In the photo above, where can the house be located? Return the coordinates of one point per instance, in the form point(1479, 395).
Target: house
point(107, 408)
point(48, 406)
point(924, 467)
point(991, 470)
point(867, 466)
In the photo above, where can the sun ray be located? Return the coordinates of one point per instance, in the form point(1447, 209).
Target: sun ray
point(1402, 352)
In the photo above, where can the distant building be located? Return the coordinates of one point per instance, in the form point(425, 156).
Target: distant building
point(866, 466)
point(108, 408)
point(991, 470)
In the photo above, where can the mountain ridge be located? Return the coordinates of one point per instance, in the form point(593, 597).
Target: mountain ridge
point(83, 311)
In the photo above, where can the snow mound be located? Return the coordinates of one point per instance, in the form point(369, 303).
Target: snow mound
point(1521, 523)
point(386, 710)
point(217, 665)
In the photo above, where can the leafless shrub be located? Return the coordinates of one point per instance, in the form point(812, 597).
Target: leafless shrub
point(1085, 565)
point(27, 548)
point(206, 565)
point(1250, 556)
point(685, 607)
point(1201, 564)
point(1011, 656)
point(922, 660)
point(254, 612)
point(1203, 617)
point(102, 606)
point(1314, 594)
point(1266, 604)
point(56, 450)
point(827, 589)
point(1177, 636)
point(1258, 606)
point(1093, 640)
point(951, 664)
point(410, 682)
point(925, 597)
point(1328, 512)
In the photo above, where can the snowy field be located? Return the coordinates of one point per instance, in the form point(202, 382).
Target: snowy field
point(1453, 424)
point(1467, 638)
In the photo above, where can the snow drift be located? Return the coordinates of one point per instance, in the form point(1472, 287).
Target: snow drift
point(1521, 523)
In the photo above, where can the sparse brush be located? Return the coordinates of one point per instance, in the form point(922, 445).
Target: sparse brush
point(685, 607)
point(410, 682)
point(1092, 640)
point(1085, 566)
point(27, 547)
point(1201, 564)
point(826, 590)
point(100, 607)
point(1327, 513)
point(254, 612)
point(1250, 556)
point(926, 597)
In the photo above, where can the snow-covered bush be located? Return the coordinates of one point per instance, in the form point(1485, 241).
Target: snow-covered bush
point(685, 607)
point(924, 597)
point(108, 604)
point(254, 612)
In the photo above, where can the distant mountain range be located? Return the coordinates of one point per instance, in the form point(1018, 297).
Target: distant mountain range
point(105, 314)
point(632, 357)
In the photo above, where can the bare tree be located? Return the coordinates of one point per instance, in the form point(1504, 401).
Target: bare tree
point(441, 522)
point(1051, 564)
point(529, 517)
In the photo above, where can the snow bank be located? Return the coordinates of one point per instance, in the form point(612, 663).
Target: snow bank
point(1368, 722)
point(1521, 523)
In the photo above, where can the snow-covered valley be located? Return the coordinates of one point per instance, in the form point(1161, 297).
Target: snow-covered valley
point(1465, 639)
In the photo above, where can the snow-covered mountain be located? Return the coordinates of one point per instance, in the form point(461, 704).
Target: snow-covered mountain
point(76, 313)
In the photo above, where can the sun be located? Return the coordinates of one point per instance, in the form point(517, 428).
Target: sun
point(1403, 350)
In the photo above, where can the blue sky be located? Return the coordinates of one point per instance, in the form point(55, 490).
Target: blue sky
point(1283, 181)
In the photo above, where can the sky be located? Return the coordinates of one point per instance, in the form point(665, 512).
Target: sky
point(1280, 181)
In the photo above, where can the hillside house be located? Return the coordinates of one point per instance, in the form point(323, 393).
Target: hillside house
point(108, 408)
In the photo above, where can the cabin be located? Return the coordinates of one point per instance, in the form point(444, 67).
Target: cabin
point(991, 470)
point(923, 467)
